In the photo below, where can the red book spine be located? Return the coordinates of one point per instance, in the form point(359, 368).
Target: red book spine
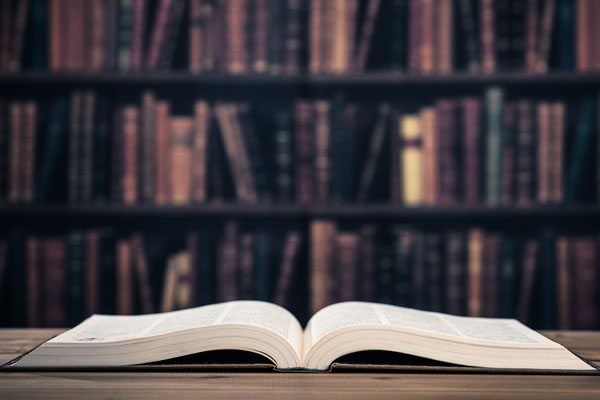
point(585, 311)
point(161, 154)
point(29, 150)
point(531, 36)
point(196, 36)
point(14, 167)
point(92, 273)
point(124, 279)
point(5, 34)
point(97, 35)
point(543, 153)
point(346, 261)
point(583, 26)
point(447, 139)
point(487, 37)
point(316, 64)
point(527, 280)
point(137, 36)
point(563, 288)
point(293, 39)
point(55, 279)
point(158, 33)
point(471, 108)
point(427, 36)
point(557, 139)
point(525, 163)
point(475, 278)
point(445, 38)
point(130, 151)
point(322, 280)
point(200, 151)
point(33, 282)
point(141, 269)
point(322, 134)
point(508, 155)
point(236, 21)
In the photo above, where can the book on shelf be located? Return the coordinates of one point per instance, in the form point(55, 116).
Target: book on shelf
point(333, 332)
point(292, 36)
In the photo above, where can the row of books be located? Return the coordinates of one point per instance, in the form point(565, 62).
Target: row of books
point(322, 36)
point(468, 150)
point(549, 282)
point(57, 280)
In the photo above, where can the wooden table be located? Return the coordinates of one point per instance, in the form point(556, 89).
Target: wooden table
point(286, 386)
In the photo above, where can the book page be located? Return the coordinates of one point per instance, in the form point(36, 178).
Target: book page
point(348, 314)
point(109, 328)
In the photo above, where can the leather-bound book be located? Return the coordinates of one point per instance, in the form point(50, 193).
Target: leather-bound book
point(367, 263)
point(237, 51)
point(476, 254)
point(124, 278)
point(161, 152)
point(525, 153)
point(158, 34)
point(289, 261)
point(76, 277)
point(54, 265)
point(227, 263)
point(431, 170)
point(444, 39)
point(455, 267)
point(564, 276)
point(543, 153)
point(585, 309)
point(447, 138)
point(29, 150)
point(304, 157)
point(322, 280)
point(147, 159)
point(531, 36)
point(201, 126)
point(508, 155)
point(87, 150)
point(529, 270)
point(434, 271)
point(472, 162)
point(470, 33)
point(260, 36)
point(491, 275)
point(92, 274)
point(130, 154)
point(137, 34)
point(346, 260)
point(33, 284)
point(366, 33)
point(402, 266)
point(488, 39)
point(246, 270)
point(322, 162)
point(375, 150)
point(180, 160)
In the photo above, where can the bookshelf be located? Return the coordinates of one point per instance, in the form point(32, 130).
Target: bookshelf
point(562, 78)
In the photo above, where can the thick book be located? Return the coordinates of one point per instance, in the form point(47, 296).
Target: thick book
point(335, 331)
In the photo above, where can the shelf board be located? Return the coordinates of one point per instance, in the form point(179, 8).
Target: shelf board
point(588, 211)
point(367, 79)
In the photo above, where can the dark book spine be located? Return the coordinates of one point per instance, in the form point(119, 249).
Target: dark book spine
point(102, 147)
point(585, 309)
point(108, 273)
point(346, 252)
point(581, 151)
point(427, 45)
point(402, 266)
point(97, 35)
point(491, 275)
point(138, 23)
point(546, 31)
point(527, 285)
point(55, 282)
point(14, 180)
point(349, 151)
point(385, 275)
point(197, 32)
point(147, 170)
point(434, 271)
point(4, 150)
point(494, 106)
point(263, 263)
point(469, 27)
point(419, 273)
point(508, 279)
point(566, 35)
point(161, 156)
point(475, 250)
point(39, 23)
point(200, 160)
point(305, 146)
point(508, 155)
point(246, 270)
point(51, 150)
point(76, 277)
point(124, 279)
point(502, 45)
point(216, 164)
point(276, 37)
point(322, 287)
point(531, 36)
point(18, 39)
point(377, 140)
point(471, 123)
point(444, 37)
point(88, 151)
point(227, 288)
point(73, 180)
point(17, 278)
point(125, 29)
point(260, 36)
point(92, 272)
point(5, 35)
point(488, 37)
point(205, 269)
point(367, 264)
point(548, 281)
point(130, 164)
point(557, 150)
point(336, 154)
point(448, 147)
point(111, 30)
point(170, 41)
point(399, 34)
point(525, 151)
point(455, 274)
point(255, 152)
point(564, 276)
point(364, 43)
point(314, 53)
point(142, 273)
point(293, 36)
point(283, 157)
point(29, 150)
point(157, 37)
point(289, 259)
point(322, 162)
point(517, 35)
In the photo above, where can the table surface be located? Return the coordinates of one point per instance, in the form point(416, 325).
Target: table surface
point(287, 386)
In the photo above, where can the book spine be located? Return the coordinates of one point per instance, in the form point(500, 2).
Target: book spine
point(161, 185)
point(455, 274)
point(92, 273)
point(430, 159)
point(321, 281)
point(246, 267)
point(525, 154)
point(433, 270)
point(315, 62)
point(494, 105)
point(583, 35)
point(87, 145)
point(531, 38)
point(396, 154)
point(566, 35)
point(366, 265)
point(385, 275)
point(548, 292)
point(563, 283)
point(375, 146)
point(169, 43)
point(158, 33)
point(111, 31)
point(508, 155)
point(54, 264)
point(517, 35)
point(556, 151)
point(74, 146)
point(322, 149)
point(304, 153)
point(401, 269)
point(137, 33)
point(336, 154)
point(346, 250)
point(140, 265)
point(419, 282)
point(200, 151)
point(180, 160)
point(30, 118)
point(284, 158)
point(14, 181)
point(584, 302)
point(254, 152)
point(508, 280)
point(490, 305)
point(55, 42)
point(291, 252)
point(529, 271)
point(543, 153)
point(97, 35)
point(4, 150)
point(76, 257)
point(444, 41)
point(147, 165)
point(471, 122)
point(546, 29)
point(39, 32)
point(196, 34)
point(260, 36)
point(364, 43)
point(18, 39)
point(447, 148)
point(33, 283)
point(205, 269)
point(124, 279)
point(475, 278)
point(130, 154)
point(293, 36)
point(399, 37)
point(502, 45)
point(237, 56)
point(5, 35)
point(412, 161)
point(339, 56)
point(264, 274)
point(469, 27)
point(488, 40)
point(580, 151)
point(125, 35)
point(427, 36)
point(227, 266)
point(108, 272)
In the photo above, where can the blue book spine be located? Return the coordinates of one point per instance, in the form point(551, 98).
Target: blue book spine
point(582, 150)
point(566, 42)
point(494, 104)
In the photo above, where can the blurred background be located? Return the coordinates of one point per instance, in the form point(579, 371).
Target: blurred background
point(435, 154)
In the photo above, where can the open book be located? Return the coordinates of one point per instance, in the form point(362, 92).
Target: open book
point(273, 332)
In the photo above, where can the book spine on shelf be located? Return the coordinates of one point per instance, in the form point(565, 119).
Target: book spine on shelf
point(364, 42)
point(147, 167)
point(525, 162)
point(585, 297)
point(289, 260)
point(283, 157)
point(201, 126)
point(305, 145)
point(508, 280)
point(124, 279)
point(169, 44)
point(531, 36)
point(476, 251)
point(376, 143)
point(75, 137)
point(157, 37)
point(517, 35)
point(564, 273)
point(455, 274)
point(472, 164)
point(130, 132)
point(412, 161)
point(227, 288)
point(419, 281)
point(321, 278)
point(444, 41)
point(431, 169)
point(447, 147)
point(528, 274)
point(180, 160)
point(322, 161)
point(346, 253)
point(98, 35)
point(428, 23)
point(490, 305)
point(162, 130)
point(29, 150)
point(494, 133)
point(39, 32)
point(138, 24)
point(367, 263)
point(92, 288)
point(488, 39)
point(260, 36)
point(75, 280)
point(502, 25)
point(276, 38)
point(401, 268)
point(54, 266)
point(469, 28)
point(236, 20)
point(508, 155)
point(32, 287)
point(547, 23)
point(247, 264)
point(125, 35)
point(434, 272)
point(565, 35)
point(87, 150)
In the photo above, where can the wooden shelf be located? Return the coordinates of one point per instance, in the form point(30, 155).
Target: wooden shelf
point(368, 79)
point(588, 211)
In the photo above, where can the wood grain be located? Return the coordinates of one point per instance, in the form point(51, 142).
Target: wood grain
point(249, 385)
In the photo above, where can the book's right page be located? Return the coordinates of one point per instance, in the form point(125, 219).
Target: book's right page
point(352, 327)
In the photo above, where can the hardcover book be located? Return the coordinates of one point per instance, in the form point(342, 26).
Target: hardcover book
point(272, 331)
